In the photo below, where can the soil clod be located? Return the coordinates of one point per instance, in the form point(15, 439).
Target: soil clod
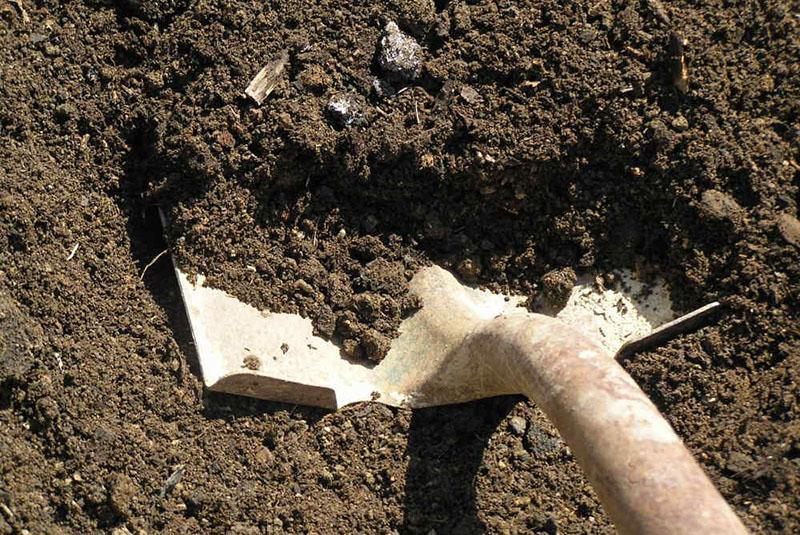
point(721, 206)
point(557, 286)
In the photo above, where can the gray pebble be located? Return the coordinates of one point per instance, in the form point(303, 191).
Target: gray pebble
point(789, 228)
point(400, 56)
point(347, 109)
point(518, 425)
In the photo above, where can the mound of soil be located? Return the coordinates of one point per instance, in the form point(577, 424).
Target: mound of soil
point(535, 141)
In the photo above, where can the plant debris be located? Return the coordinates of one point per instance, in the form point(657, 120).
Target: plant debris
point(677, 62)
point(267, 78)
point(172, 481)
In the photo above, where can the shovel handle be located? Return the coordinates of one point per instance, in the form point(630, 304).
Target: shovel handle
point(646, 479)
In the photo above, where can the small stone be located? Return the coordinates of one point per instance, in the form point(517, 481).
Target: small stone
point(122, 494)
point(541, 444)
point(518, 425)
point(522, 501)
point(400, 56)
point(470, 95)
point(347, 109)
point(103, 434)
point(739, 462)
point(680, 123)
point(38, 38)
point(789, 228)
point(264, 455)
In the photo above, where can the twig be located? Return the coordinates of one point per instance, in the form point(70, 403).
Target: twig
point(153, 261)
point(72, 252)
point(416, 110)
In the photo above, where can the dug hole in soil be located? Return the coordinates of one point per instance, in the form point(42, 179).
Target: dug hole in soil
point(533, 141)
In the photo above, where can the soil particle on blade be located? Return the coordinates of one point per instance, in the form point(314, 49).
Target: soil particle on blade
point(557, 286)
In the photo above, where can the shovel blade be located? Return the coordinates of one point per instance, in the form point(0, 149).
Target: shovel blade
point(275, 356)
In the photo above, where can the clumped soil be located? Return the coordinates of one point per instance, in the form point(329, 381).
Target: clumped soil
point(539, 140)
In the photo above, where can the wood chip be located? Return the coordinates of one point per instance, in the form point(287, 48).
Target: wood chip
point(680, 74)
point(267, 78)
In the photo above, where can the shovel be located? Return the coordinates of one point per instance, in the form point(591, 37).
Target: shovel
point(465, 344)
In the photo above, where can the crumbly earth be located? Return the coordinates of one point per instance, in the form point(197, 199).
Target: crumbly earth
point(539, 139)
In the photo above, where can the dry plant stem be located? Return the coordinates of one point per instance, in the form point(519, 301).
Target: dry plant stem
point(645, 477)
point(153, 261)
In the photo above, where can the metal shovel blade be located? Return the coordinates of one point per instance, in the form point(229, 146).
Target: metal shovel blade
point(276, 356)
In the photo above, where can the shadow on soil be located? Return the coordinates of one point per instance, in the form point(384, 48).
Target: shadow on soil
point(445, 449)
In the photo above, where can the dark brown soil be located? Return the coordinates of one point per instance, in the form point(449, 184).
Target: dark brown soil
point(539, 139)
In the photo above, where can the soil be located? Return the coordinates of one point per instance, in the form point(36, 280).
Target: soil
point(537, 142)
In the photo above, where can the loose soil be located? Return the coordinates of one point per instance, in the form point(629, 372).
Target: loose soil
point(539, 141)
